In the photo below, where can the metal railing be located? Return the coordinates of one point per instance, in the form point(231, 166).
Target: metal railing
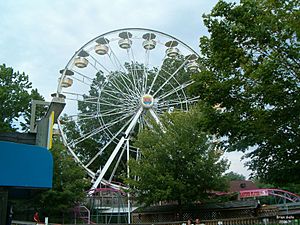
point(239, 221)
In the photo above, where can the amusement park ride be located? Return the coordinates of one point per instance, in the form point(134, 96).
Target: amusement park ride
point(113, 86)
point(110, 89)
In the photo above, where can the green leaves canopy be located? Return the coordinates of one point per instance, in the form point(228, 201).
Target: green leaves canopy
point(15, 97)
point(178, 162)
point(251, 72)
point(69, 184)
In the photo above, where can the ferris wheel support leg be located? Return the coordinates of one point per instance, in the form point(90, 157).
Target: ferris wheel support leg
point(155, 117)
point(117, 148)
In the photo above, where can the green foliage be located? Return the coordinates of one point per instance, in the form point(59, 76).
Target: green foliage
point(14, 97)
point(39, 113)
point(234, 176)
point(251, 72)
point(16, 94)
point(69, 184)
point(69, 187)
point(178, 163)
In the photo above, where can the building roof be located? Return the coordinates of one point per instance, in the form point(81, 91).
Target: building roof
point(250, 204)
point(241, 185)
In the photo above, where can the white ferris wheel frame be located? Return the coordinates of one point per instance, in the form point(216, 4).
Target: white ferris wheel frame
point(139, 89)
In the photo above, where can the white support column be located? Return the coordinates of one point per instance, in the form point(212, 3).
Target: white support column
point(117, 148)
point(153, 114)
point(128, 195)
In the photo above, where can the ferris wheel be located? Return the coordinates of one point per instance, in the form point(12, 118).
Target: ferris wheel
point(113, 86)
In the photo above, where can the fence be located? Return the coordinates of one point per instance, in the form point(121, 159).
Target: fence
point(239, 221)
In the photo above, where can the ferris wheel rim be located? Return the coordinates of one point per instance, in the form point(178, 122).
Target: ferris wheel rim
point(106, 83)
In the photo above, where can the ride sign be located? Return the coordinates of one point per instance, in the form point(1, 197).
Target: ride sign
point(254, 193)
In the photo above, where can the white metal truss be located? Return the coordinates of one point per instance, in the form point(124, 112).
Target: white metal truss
point(112, 93)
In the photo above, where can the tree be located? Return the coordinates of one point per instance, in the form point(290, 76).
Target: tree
point(39, 113)
point(250, 83)
point(234, 176)
point(69, 184)
point(15, 97)
point(178, 163)
point(69, 187)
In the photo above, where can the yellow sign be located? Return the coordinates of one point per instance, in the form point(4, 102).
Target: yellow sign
point(50, 130)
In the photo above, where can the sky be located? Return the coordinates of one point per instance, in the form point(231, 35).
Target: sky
point(39, 37)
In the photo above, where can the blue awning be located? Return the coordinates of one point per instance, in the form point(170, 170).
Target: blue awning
point(25, 166)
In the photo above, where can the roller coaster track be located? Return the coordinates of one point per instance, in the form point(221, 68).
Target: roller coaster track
point(282, 194)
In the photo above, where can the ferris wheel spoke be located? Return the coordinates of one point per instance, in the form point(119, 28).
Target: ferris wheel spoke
point(146, 122)
point(174, 102)
point(180, 93)
point(117, 100)
point(171, 86)
point(126, 88)
point(131, 71)
point(176, 89)
point(156, 74)
point(81, 96)
point(117, 148)
point(104, 101)
point(117, 119)
point(141, 123)
point(84, 136)
point(111, 95)
point(131, 64)
point(84, 81)
point(179, 96)
point(84, 118)
point(146, 62)
point(106, 113)
point(115, 84)
point(172, 75)
point(131, 88)
point(97, 62)
point(155, 117)
point(90, 85)
point(121, 94)
point(115, 61)
point(84, 101)
point(125, 82)
point(146, 65)
point(108, 143)
point(139, 78)
point(107, 103)
point(117, 164)
point(97, 130)
point(113, 112)
point(76, 116)
point(84, 77)
point(91, 173)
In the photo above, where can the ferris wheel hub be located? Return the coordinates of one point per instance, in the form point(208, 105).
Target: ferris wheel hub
point(147, 101)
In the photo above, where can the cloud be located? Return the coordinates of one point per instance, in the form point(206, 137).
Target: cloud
point(39, 37)
point(237, 164)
